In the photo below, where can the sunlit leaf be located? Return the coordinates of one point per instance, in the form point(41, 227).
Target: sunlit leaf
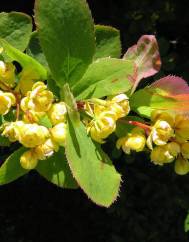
point(170, 93)
point(66, 33)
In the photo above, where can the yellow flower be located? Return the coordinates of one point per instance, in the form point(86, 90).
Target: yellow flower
point(185, 150)
point(181, 166)
point(6, 101)
point(120, 105)
point(46, 150)
point(11, 130)
point(7, 74)
point(181, 128)
point(135, 140)
point(58, 133)
point(31, 135)
point(160, 134)
point(57, 113)
point(29, 160)
point(161, 155)
point(40, 99)
point(101, 127)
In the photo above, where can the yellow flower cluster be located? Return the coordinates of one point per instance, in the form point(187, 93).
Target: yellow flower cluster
point(170, 135)
point(104, 115)
point(7, 75)
point(42, 142)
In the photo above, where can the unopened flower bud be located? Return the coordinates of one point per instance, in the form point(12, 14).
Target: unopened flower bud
point(29, 160)
point(32, 135)
point(40, 99)
point(181, 166)
point(58, 133)
point(57, 113)
point(135, 140)
point(101, 128)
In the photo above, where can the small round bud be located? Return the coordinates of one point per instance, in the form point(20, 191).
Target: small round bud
point(29, 160)
point(57, 113)
point(181, 166)
point(58, 133)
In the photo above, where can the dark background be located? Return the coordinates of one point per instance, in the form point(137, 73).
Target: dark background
point(153, 201)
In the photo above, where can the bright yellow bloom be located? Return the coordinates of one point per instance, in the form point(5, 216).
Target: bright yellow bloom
point(12, 130)
point(29, 160)
point(135, 140)
point(119, 105)
point(7, 74)
point(6, 101)
point(160, 134)
point(31, 135)
point(181, 166)
point(161, 155)
point(58, 133)
point(46, 150)
point(57, 113)
point(39, 99)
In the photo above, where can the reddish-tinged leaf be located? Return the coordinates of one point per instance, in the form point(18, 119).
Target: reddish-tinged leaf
point(146, 56)
point(170, 93)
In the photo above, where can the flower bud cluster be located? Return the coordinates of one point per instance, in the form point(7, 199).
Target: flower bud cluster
point(104, 115)
point(169, 140)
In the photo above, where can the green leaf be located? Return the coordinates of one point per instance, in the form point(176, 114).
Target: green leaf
point(169, 93)
point(66, 33)
point(11, 168)
point(16, 29)
point(35, 51)
point(29, 65)
point(108, 42)
point(91, 167)
point(51, 84)
point(106, 76)
point(4, 141)
point(56, 170)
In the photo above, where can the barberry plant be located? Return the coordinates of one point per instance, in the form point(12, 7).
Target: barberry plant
point(64, 89)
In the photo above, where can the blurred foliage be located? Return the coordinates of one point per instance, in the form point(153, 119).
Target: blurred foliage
point(153, 200)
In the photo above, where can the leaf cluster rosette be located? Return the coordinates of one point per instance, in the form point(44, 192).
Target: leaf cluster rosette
point(73, 90)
